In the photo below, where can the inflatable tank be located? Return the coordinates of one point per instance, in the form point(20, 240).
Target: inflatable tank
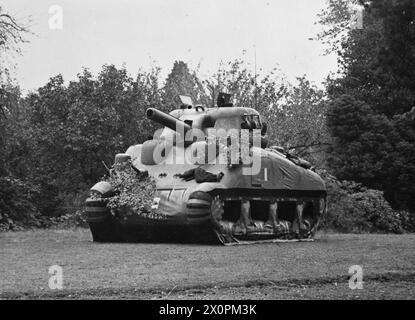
point(216, 180)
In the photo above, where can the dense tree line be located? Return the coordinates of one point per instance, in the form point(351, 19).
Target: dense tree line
point(371, 114)
point(60, 137)
point(56, 141)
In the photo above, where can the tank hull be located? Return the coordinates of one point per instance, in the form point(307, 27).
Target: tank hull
point(195, 220)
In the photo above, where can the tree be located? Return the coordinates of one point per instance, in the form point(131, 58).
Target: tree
point(74, 128)
point(300, 122)
point(17, 194)
point(372, 98)
point(11, 32)
point(11, 36)
point(362, 141)
point(181, 81)
point(336, 22)
point(377, 62)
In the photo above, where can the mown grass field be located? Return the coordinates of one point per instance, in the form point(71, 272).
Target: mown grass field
point(313, 270)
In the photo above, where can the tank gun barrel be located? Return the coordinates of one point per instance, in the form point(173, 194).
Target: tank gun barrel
point(167, 120)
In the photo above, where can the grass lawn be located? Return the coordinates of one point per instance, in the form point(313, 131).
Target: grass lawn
point(287, 270)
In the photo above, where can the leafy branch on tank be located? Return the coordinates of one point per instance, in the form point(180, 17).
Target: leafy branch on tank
point(134, 191)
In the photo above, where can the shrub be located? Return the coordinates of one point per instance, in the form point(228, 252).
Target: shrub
point(354, 208)
point(20, 203)
point(17, 204)
point(76, 219)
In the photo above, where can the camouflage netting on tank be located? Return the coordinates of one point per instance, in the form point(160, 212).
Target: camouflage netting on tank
point(134, 191)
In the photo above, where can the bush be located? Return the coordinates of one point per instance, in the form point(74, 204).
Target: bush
point(20, 204)
point(75, 219)
point(354, 208)
point(17, 204)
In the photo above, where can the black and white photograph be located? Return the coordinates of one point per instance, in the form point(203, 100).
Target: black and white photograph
point(213, 156)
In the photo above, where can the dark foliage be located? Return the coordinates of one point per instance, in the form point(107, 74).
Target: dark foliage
point(355, 208)
point(53, 141)
point(372, 103)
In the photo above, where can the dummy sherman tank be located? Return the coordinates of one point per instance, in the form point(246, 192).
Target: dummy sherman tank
point(215, 180)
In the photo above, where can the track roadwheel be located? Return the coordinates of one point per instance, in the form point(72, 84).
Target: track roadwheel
point(217, 211)
point(314, 222)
